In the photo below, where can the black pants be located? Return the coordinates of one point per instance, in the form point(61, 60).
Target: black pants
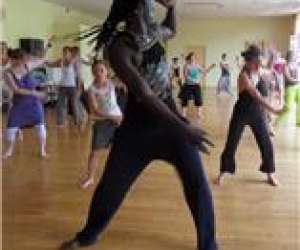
point(136, 144)
point(193, 92)
point(256, 119)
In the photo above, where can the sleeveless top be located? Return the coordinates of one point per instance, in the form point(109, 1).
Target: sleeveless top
point(194, 74)
point(225, 71)
point(106, 99)
point(246, 104)
point(176, 71)
point(27, 81)
point(27, 110)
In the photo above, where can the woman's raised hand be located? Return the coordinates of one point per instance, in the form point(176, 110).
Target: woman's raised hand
point(198, 137)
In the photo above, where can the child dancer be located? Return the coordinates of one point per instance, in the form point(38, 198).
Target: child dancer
point(27, 108)
point(249, 110)
point(106, 113)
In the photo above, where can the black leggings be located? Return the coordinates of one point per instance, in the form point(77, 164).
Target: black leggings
point(133, 149)
point(256, 119)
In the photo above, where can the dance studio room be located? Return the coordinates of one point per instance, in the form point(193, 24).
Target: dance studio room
point(150, 124)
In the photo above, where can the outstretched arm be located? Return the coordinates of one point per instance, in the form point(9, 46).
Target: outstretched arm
point(207, 70)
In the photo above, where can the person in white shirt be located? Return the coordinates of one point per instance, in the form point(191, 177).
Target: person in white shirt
point(69, 89)
point(106, 114)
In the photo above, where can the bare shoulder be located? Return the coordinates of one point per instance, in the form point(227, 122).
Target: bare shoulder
point(242, 80)
point(242, 76)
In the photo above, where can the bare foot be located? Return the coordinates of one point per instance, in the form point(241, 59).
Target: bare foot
point(272, 180)
point(7, 154)
point(61, 125)
point(70, 245)
point(82, 126)
point(272, 131)
point(200, 116)
point(85, 183)
point(44, 155)
point(20, 136)
point(220, 179)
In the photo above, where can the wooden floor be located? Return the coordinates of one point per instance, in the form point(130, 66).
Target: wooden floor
point(42, 204)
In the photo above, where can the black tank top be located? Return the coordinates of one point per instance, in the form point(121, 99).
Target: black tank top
point(247, 104)
point(225, 72)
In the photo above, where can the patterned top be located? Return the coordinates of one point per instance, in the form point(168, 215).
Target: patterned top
point(157, 72)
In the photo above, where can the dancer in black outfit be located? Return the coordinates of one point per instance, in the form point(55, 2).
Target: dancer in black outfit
point(249, 110)
point(152, 127)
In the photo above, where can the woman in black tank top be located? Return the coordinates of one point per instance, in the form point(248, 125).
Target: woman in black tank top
point(249, 110)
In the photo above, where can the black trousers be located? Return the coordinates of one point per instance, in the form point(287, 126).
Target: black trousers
point(135, 145)
point(191, 92)
point(256, 119)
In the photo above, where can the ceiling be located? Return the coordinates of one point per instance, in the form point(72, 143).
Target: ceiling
point(203, 8)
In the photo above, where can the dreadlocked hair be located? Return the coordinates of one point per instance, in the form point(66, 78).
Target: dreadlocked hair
point(101, 34)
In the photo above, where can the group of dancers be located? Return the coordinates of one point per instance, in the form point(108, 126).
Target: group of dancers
point(150, 127)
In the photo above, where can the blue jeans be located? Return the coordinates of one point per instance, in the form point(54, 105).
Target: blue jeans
point(135, 145)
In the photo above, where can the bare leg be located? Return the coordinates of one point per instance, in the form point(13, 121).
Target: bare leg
point(200, 112)
point(220, 179)
point(20, 135)
point(184, 112)
point(11, 134)
point(272, 180)
point(91, 171)
point(42, 135)
point(9, 150)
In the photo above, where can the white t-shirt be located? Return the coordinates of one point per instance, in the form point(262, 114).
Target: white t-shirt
point(106, 99)
point(68, 76)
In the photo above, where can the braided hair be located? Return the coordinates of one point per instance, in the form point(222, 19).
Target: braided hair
point(120, 11)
